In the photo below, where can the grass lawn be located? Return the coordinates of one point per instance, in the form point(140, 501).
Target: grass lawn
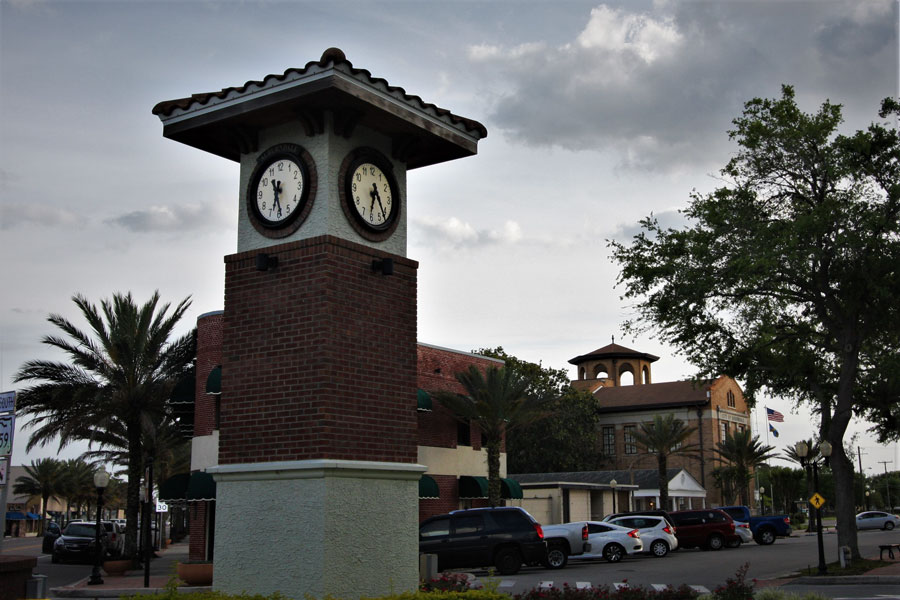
point(859, 566)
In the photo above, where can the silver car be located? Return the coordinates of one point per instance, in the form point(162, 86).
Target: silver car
point(742, 528)
point(875, 519)
point(611, 542)
point(657, 535)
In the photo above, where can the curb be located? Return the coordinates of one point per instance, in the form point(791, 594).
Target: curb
point(86, 592)
point(845, 580)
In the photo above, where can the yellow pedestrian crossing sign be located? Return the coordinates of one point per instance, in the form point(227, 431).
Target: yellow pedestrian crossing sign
point(817, 500)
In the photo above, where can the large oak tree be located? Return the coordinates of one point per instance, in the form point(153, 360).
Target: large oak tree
point(787, 276)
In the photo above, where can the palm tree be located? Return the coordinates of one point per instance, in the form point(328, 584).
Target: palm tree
point(42, 479)
point(496, 401)
point(120, 374)
point(744, 453)
point(77, 484)
point(665, 437)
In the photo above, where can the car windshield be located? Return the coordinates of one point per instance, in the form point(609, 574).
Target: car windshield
point(80, 530)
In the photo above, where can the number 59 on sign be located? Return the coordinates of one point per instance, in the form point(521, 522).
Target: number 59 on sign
point(6, 434)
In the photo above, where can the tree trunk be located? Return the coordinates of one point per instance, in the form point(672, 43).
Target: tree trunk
point(493, 460)
point(662, 468)
point(133, 491)
point(841, 465)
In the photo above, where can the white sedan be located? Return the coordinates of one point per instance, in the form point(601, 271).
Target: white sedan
point(875, 519)
point(657, 535)
point(611, 542)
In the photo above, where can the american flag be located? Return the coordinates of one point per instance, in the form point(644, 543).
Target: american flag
point(774, 415)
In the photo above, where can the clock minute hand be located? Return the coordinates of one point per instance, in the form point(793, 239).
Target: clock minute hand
point(276, 188)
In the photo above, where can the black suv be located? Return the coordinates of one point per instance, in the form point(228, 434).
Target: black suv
point(504, 537)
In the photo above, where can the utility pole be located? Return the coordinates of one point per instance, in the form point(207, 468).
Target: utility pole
point(887, 484)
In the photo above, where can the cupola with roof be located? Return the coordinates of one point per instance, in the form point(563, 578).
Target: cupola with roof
point(609, 363)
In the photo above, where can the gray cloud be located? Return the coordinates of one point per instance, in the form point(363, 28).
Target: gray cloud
point(659, 90)
point(16, 214)
point(175, 218)
point(668, 219)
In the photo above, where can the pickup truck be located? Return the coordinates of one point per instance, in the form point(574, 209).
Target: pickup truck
point(565, 540)
point(764, 528)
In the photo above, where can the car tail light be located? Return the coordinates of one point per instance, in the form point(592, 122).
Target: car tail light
point(744, 525)
point(634, 533)
point(112, 538)
point(584, 532)
point(787, 520)
point(669, 530)
point(539, 530)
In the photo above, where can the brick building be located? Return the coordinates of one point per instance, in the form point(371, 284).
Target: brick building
point(621, 380)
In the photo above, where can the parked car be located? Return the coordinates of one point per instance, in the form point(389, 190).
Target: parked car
point(612, 542)
point(565, 540)
point(651, 512)
point(708, 528)
point(504, 537)
point(657, 535)
point(78, 540)
point(743, 530)
point(876, 519)
point(765, 528)
point(116, 538)
point(51, 534)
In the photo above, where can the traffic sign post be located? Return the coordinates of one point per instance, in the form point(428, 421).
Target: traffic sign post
point(817, 500)
point(7, 434)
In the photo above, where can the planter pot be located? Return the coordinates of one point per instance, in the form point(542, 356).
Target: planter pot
point(117, 567)
point(195, 573)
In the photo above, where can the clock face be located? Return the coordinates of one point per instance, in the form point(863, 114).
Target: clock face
point(372, 195)
point(369, 194)
point(279, 191)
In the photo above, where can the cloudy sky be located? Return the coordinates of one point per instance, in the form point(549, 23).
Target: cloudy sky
point(598, 114)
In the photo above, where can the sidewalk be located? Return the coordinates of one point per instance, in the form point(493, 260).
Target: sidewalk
point(162, 570)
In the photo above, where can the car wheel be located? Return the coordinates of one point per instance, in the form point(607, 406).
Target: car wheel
point(557, 557)
point(508, 561)
point(715, 542)
point(888, 525)
point(659, 548)
point(733, 544)
point(613, 553)
point(765, 536)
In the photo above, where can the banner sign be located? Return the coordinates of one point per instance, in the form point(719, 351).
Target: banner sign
point(7, 402)
point(7, 424)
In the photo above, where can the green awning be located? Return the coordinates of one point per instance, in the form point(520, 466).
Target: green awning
point(423, 400)
point(510, 489)
point(473, 487)
point(214, 381)
point(174, 488)
point(202, 486)
point(428, 487)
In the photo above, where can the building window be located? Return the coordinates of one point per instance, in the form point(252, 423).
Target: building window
point(630, 443)
point(463, 433)
point(609, 441)
point(723, 425)
point(730, 397)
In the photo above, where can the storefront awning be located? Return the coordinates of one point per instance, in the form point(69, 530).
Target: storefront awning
point(14, 515)
point(473, 487)
point(202, 486)
point(428, 487)
point(423, 400)
point(510, 489)
point(214, 381)
point(32, 516)
point(174, 488)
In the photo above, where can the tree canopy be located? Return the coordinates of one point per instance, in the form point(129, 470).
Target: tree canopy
point(663, 437)
point(787, 276)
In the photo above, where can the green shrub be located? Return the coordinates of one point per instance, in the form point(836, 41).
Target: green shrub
point(605, 593)
point(798, 518)
point(735, 588)
point(779, 594)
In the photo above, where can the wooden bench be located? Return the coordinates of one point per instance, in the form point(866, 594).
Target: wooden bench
point(890, 550)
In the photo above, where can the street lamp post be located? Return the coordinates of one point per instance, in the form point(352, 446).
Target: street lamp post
point(867, 499)
point(101, 480)
point(614, 484)
point(762, 498)
point(824, 453)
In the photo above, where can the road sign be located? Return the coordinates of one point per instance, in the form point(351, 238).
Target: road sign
point(7, 402)
point(817, 500)
point(7, 425)
point(162, 507)
point(3, 464)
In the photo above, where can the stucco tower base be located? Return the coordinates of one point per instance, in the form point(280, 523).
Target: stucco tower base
point(320, 527)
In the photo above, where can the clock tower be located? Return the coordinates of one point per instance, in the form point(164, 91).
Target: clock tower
point(317, 479)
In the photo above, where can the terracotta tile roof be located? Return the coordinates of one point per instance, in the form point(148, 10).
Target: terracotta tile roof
point(331, 58)
point(613, 351)
point(670, 394)
point(587, 385)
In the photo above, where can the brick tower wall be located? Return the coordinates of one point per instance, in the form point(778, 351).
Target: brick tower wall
point(319, 356)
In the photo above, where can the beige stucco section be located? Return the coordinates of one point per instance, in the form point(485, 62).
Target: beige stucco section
point(457, 461)
point(320, 527)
